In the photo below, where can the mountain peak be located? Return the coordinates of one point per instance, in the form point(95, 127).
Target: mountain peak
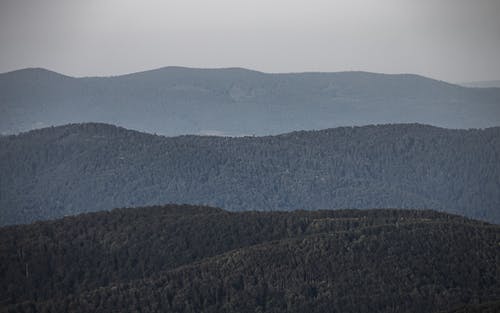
point(32, 72)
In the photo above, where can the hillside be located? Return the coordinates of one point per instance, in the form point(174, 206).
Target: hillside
point(488, 307)
point(235, 101)
point(201, 259)
point(67, 170)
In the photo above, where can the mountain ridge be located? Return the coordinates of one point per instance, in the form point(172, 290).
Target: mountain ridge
point(71, 169)
point(84, 125)
point(214, 69)
point(236, 101)
point(181, 258)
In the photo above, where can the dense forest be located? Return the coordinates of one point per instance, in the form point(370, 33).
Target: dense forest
point(235, 101)
point(59, 171)
point(488, 307)
point(201, 259)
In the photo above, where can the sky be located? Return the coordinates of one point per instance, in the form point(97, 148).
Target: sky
point(451, 40)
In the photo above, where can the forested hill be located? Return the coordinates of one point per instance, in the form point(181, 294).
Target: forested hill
point(201, 259)
point(488, 307)
point(67, 170)
point(234, 101)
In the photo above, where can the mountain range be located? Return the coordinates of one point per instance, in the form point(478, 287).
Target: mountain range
point(200, 259)
point(67, 170)
point(304, 192)
point(235, 101)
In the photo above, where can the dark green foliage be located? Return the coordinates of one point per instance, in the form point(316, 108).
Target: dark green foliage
point(78, 168)
point(200, 259)
point(489, 307)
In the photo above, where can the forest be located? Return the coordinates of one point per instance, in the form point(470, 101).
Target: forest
point(304, 156)
point(181, 258)
point(59, 171)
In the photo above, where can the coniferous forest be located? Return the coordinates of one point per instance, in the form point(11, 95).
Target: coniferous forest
point(200, 259)
point(58, 171)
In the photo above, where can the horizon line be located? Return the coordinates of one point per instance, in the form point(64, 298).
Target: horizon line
point(232, 68)
point(104, 124)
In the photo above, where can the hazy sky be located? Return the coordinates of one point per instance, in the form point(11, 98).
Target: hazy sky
point(453, 40)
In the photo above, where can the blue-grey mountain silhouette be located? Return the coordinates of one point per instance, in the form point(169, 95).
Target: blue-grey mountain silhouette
point(235, 101)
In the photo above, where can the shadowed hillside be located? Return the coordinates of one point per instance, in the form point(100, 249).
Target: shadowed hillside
point(200, 259)
point(488, 307)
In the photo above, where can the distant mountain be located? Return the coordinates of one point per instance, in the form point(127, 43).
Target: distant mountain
point(67, 170)
point(201, 259)
point(235, 101)
point(483, 84)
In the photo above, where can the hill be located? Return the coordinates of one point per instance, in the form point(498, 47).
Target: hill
point(67, 170)
point(234, 101)
point(201, 259)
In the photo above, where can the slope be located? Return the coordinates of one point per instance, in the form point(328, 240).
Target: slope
point(234, 101)
point(192, 259)
point(72, 169)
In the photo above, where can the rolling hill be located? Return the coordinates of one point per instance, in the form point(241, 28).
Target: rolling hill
point(235, 101)
point(67, 170)
point(200, 259)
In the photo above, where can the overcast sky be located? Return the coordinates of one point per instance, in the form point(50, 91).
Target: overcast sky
point(453, 40)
